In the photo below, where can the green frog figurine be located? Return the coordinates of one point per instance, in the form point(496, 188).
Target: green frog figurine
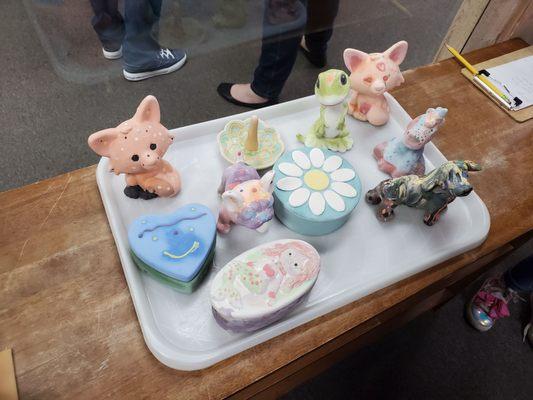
point(329, 130)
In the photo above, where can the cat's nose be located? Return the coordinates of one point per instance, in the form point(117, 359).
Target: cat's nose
point(379, 86)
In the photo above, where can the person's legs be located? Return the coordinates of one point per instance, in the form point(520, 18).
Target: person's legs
point(108, 23)
point(278, 55)
point(319, 29)
point(143, 56)
point(139, 44)
point(528, 330)
point(156, 6)
point(520, 277)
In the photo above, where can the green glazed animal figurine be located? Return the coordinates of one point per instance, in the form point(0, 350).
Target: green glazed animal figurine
point(432, 192)
point(329, 130)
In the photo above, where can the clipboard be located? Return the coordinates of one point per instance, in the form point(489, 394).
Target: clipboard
point(520, 115)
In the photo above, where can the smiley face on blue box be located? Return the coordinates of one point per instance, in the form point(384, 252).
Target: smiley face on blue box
point(176, 245)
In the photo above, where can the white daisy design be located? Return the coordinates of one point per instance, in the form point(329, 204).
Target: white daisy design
point(317, 181)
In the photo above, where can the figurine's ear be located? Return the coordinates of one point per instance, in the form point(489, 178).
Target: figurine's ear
point(148, 110)
point(353, 58)
point(266, 181)
point(101, 140)
point(232, 200)
point(397, 52)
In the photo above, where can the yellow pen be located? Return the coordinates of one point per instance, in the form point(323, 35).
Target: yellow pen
point(476, 73)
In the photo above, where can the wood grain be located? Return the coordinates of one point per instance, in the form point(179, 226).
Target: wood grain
point(66, 312)
point(496, 24)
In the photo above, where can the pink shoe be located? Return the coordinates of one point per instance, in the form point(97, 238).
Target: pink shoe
point(489, 304)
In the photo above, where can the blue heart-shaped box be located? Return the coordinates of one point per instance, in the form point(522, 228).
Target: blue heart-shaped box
point(177, 244)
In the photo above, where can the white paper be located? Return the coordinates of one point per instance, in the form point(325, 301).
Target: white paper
point(517, 76)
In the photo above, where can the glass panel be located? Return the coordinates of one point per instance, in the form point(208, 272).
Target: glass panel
point(57, 87)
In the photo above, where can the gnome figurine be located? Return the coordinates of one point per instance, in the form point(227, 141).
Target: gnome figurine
point(405, 156)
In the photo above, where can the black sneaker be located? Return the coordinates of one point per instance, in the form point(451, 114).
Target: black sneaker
point(165, 62)
point(112, 54)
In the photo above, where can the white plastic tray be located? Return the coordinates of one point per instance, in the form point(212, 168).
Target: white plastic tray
point(360, 258)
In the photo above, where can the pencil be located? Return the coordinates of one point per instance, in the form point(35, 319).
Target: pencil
point(492, 94)
point(476, 73)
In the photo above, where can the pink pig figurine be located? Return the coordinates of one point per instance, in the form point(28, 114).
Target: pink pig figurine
point(371, 76)
point(246, 198)
point(398, 157)
point(135, 148)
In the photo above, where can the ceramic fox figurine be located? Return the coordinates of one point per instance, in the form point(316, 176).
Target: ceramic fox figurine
point(405, 156)
point(136, 148)
point(371, 76)
point(246, 198)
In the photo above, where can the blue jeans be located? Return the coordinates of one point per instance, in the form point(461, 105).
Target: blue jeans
point(520, 277)
point(135, 32)
point(280, 46)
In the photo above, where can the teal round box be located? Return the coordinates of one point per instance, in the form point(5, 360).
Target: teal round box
point(315, 190)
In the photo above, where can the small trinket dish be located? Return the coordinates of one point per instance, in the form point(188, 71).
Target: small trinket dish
point(250, 141)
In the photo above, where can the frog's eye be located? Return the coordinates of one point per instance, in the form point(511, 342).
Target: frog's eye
point(318, 83)
point(344, 80)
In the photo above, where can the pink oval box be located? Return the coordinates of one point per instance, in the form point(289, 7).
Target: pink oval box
point(263, 284)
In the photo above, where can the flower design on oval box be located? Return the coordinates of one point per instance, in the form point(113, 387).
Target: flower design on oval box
point(318, 180)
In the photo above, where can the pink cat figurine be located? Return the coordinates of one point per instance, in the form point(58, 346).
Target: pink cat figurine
point(246, 198)
point(405, 156)
point(371, 76)
point(135, 148)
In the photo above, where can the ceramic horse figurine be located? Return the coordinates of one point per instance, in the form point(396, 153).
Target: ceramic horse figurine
point(432, 192)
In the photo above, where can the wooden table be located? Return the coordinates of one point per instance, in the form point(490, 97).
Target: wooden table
point(66, 311)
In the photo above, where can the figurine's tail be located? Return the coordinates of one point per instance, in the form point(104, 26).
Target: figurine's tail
point(301, 138)
point(472, 166)
point(467, 165)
